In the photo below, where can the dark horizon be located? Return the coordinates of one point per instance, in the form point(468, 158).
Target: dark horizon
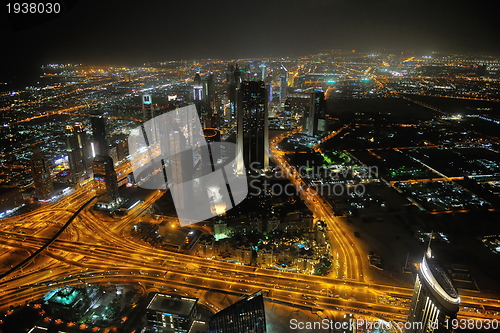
point(131, 33)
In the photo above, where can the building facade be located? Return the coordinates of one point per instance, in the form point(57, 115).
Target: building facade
point(76, 146)
point(253, 131)
point(435, 300)
point(40, 171)
point(246, 315)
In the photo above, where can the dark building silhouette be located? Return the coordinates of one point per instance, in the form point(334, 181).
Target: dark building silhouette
point(197, 90)
point(106, 183)
point(252, 122)
point(435, 299)
point(76, 146)
point(314, 118)
point(40, 171)
point(103, 168)
point(246, 315)
point(99, 136)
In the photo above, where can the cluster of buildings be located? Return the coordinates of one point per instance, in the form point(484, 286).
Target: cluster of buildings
point(292, 243)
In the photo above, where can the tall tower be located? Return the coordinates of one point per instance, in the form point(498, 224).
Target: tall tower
point(435, 299)
point(199, 98)
point(99, 136)
point(263, 71)
point(246, 315)
point(283, 83)
point(315, 112)
point(210, 102)
point(76, 143)
point(107, 185)
point(198, 89)
point(147, 107)
point(103, 168)
point(233, 85)
point(41, 176)
point(253, 133)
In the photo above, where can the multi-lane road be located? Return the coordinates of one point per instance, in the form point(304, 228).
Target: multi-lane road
point(96, 248)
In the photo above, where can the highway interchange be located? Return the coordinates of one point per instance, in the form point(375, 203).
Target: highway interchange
point(98, 248)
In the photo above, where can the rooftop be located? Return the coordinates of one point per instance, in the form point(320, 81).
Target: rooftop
point(172, 304)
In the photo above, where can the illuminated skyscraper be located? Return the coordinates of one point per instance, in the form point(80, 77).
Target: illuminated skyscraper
point(233, 85)
point(103, 168)
point(199, 97)
point(435, 299)
point(283, 83)
point(40, 171)
point(246, 315)
point(263, 71)
point(253, 133)
point(106, 183)
point(76, 144)
point(210, 102)
point(197, 89)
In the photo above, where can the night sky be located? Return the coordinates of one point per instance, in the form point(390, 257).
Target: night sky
point(133, 32)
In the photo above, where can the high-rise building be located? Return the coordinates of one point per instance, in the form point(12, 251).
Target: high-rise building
point(435, 299)
point(197, 90)
point(99, 136)
point(40, 170)
point(106, 182)
point(283, 83)
point(170, 313)
point(210, 102)
point(103, 168)
point(147, 107)
point(252, 124)
point(233, 85)
point(263, 71)
point(76, 144)
point(246, 315)
point(314, 119)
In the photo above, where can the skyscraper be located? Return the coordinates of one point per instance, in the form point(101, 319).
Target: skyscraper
point(76, 143)
point(246, 315)
point(107, 185)
point(147, 107)
point(435, 299)
point(210, 102)
point(103, 168)
point(40, 171)
point(253, 133)
point(99, 136)
point(314, 122)
point(263, 71)
point(283, 83)
point(197, 91)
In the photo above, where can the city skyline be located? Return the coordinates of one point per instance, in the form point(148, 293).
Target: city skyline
point(361, 25)
point(250, 167)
